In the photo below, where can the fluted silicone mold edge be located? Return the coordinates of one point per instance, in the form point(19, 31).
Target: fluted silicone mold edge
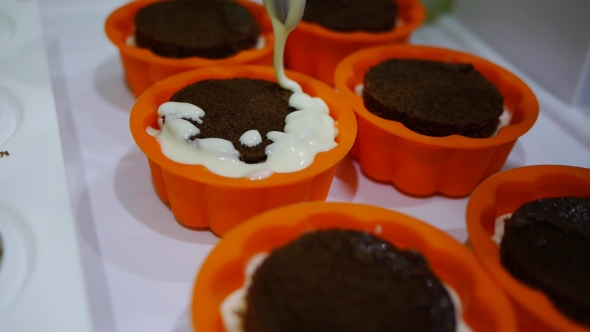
point(422, 165)
point(485, 306)
point(504, 193)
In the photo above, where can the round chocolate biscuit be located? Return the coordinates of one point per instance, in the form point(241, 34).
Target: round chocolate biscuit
point(206, 28)
point(342, 280)
point(546, 245)
point(235, 106)
point(433, 98)
point(352, 15)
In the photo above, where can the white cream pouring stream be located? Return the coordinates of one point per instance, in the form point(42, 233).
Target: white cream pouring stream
point(308, 131)
point(285, 15)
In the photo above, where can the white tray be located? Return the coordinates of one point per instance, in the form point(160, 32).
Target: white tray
point(41, 282)
point(139, 263)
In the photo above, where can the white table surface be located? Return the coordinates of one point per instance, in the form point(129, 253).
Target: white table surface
point(41, 280)
point(139, 263)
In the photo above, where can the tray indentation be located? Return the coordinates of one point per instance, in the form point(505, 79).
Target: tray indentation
point(11, 113)
point(7, 28)
point(17, 257)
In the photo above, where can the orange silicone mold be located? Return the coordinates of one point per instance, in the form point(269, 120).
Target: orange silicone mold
point(316, 51)
point(200, 198)
point(422, 165)
point(485, 307)
point(144, 68)
point(505, 193)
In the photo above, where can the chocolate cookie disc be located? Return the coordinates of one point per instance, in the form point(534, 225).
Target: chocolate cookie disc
point(433, 98)
point(235, 106)
point(546, 245)
point(342, 280)
point(211, 29)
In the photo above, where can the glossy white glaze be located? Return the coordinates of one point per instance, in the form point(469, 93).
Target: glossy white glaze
point(308, 131)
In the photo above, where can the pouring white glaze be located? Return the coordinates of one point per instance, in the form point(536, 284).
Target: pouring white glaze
point(285, 15)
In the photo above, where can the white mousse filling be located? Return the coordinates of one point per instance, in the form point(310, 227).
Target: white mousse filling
point(499, 227)
point(251, 138)
point(503, 120)
point(234, 306)
point(308, 131)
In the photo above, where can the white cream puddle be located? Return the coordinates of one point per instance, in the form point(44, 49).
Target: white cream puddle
point(251, 138)
point(308, 131)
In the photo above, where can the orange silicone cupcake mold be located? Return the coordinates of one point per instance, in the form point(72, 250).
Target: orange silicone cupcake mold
point(422, 165)
point(485, 307)
point(144, 68)
point(316, 51)
point(200, 198)
point(505, 193)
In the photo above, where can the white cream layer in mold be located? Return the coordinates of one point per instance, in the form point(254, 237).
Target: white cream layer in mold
point(234, 305)
point(308, 131)
point(499, 227)
point(503, 120)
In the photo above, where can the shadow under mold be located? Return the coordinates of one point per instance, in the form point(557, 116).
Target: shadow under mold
point(516, 158)
point(135, 190)
point(345, 183)
point(109, 81)
point(184, 322)
point(97, 289)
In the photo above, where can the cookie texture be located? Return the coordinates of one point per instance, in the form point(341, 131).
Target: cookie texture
point(433, 98)
point(212, 29)
point(343, 280)
point(546, 245)
point(235, 106)
point(352, 15)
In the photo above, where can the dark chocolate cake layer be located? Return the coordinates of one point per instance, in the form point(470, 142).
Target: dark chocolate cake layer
point(352, 15)
point(433, 98)
point(340, 281)
point(546, 245)
point(234, 106)
point(207, 29)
